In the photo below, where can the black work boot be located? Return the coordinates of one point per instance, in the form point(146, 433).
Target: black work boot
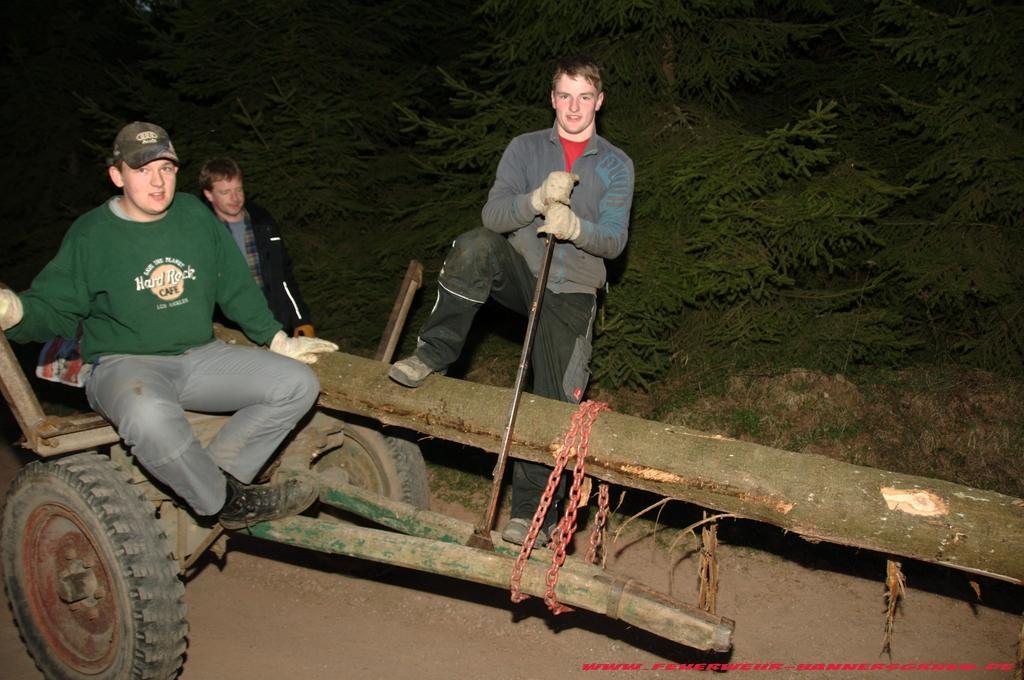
point(248, 504)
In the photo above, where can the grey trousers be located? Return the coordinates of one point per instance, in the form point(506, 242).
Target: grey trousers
point(146, 397)
point(482, 265)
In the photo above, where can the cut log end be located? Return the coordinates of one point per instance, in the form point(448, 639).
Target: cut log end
point(917, 502)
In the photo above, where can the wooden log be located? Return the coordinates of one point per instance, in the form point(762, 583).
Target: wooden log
point(819, 498)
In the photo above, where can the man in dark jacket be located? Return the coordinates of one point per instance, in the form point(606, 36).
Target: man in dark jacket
point(259, 239)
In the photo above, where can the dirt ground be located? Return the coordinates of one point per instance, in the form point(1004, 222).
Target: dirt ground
point(270, 612)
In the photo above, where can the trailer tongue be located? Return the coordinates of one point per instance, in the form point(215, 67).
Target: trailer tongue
point(435, 543)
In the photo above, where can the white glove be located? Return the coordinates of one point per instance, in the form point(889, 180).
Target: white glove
point(554, 189)
point(560, 222)
point(301, 348)
point(11, 310)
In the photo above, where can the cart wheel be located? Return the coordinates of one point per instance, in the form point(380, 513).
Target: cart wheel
point(88, 573)
point(390, 466)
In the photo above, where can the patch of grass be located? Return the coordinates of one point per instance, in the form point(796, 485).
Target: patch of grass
point(745, 422)
point(452, 485)
point(458, 474)
point(832, 434)
point(840, 431)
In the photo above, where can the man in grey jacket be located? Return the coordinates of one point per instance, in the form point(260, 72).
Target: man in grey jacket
point(566, 181)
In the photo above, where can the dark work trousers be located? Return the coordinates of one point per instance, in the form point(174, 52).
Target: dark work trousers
point(482, 264)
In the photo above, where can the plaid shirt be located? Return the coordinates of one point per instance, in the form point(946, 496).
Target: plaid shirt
point(252, 257)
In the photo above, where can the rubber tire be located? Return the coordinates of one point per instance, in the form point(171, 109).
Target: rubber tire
point(388, 465)
point(84, 506)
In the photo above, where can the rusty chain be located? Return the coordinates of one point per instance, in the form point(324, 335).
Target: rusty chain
point(576, 443)
point(538, 519)
point(600, 520)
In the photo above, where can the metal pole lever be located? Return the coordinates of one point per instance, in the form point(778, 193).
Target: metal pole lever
point(482, 535)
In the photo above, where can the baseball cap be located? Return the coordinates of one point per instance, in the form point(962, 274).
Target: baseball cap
point(139, 143)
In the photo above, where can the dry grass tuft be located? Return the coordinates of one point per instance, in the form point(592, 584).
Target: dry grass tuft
point(896, 589)
point(707, 598)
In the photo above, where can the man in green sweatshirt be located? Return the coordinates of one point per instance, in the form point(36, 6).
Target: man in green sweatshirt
point(142, 273)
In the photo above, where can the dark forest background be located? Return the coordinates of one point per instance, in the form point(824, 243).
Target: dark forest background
point(830, 185)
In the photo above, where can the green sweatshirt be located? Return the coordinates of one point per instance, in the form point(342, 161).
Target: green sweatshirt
point(144, 287)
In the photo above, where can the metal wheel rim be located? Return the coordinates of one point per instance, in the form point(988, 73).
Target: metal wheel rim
point(84, 634)
point(360, 466)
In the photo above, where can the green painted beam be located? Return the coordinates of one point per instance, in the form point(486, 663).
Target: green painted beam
point(393, 514)
point(579, 585)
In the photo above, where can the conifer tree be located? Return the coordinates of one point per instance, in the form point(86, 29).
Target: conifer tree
point(299, 91)
point(958, 250)
point(53, 54)
point(823, 184)
point(763, 232)
point(301, 94)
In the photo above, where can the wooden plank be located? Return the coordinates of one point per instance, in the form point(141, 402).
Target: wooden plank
point(411, 282)
point(18, 394)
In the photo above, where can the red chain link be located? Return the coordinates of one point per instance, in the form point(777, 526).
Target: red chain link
point(576, 443)
point(599, 523)
point(538, 519)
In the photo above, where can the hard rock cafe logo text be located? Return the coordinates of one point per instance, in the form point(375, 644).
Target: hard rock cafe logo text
point(165, 278)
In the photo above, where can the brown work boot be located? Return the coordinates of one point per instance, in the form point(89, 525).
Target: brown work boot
point(248, 504)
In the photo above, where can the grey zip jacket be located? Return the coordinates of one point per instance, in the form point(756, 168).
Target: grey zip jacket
point(601, 200)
